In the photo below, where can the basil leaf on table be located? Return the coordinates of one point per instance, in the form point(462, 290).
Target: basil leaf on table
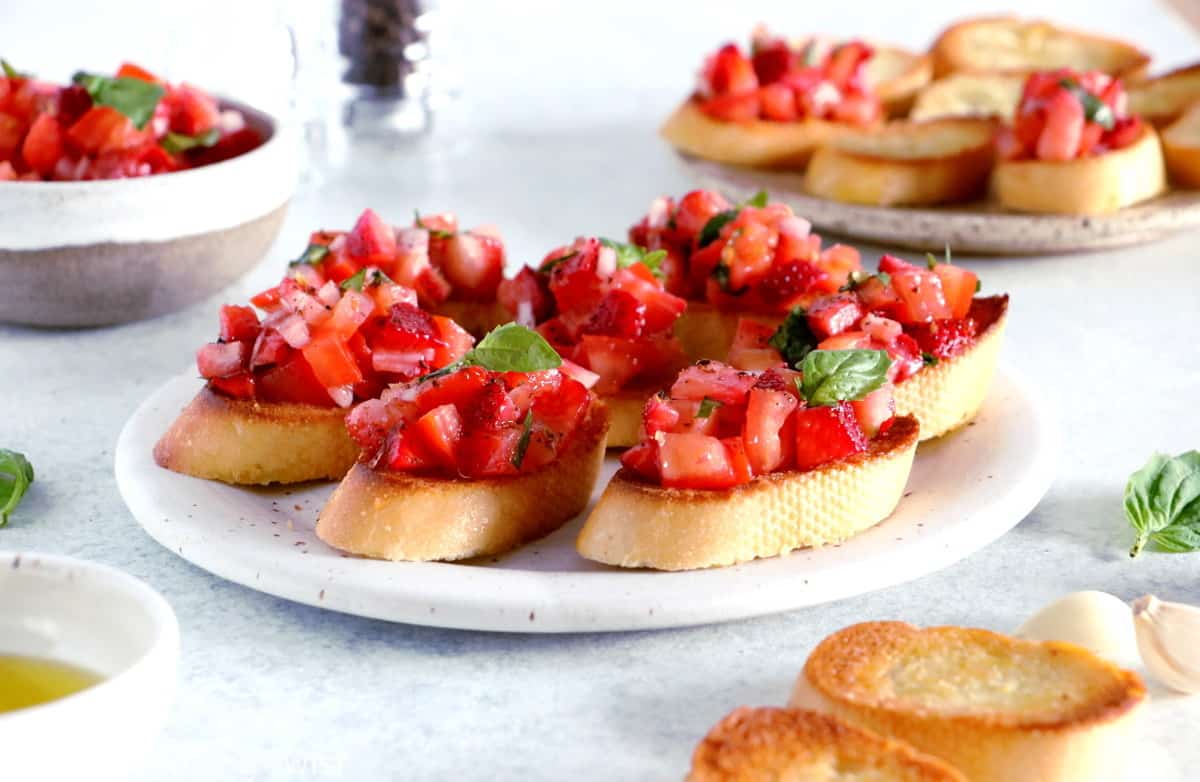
point(1162, 503)
point(832, 376)
point(16, 473)
point(134, 98)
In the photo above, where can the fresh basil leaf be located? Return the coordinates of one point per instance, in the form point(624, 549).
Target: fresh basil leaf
point(978, 285)
point(134, 98)
point(549, 265)
point(712, 229)
point(929, 359)
point(1162, 503)
point(176, 143)
point(794, 339)
point(707, 406)
point(513, 348)
point(832, 376)
point(312, 255)
point(16, 473)
point(436, 233)
point(1094, 109)
point(858, 278)
point(11, 72)
point(523, 443)
point(758, 200)
point(629, 254)
point(369, 276)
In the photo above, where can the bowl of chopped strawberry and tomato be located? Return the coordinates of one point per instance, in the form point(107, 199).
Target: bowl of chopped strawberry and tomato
point(126, 196)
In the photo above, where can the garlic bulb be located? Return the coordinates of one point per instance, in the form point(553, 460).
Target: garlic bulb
point(1097, 621)
point(1168, 636)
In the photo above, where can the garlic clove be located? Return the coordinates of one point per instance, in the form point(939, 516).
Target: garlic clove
point(1097, 621)
point(1168, 636)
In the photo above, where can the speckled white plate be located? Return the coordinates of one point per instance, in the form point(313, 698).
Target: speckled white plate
point(981, 228)
point(965, 491)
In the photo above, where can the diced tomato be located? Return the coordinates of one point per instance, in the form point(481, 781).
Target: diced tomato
point(103, 129)
point(239, 386)
point(372, 241)
point(222, 359)
point(958, 286)
point(825, 434)
point(238, 323)
point(439, 432)
point(331, 361)
point(694, 461)
point(43, 145)
point(713, 380)
point(833, 315)
point(874, 410)
point(767, 413)
point(921, 296)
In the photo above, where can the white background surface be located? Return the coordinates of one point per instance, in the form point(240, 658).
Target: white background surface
point(554, 136)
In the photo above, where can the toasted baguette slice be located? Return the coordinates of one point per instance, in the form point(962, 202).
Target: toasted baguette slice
point(1163, 98)
point(625, 409)
point(477, 317)
point(896, 75)
point(637, 524)
point(905, 163)
point(969, 95)
point(756, 143)
point(1181, 148)
point(1085, 186)
point(1012, 45)
point(942, 397)
point(245, 442)
point(396, 516)
point(758, 745)
point(996, 708)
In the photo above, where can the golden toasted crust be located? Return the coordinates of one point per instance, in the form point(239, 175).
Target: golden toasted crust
point(905, 163)
point(1085, 186)
point(477, 317)
point(1181, 148)
point(996, 708)
point(969, 95)
point(1010, 44)
point(246, 442)
point(625, 408)
point(637, 524)
point(767, 744)
point(755, 143)
point(389, 515)
point(896, 75)
point(1163, 98)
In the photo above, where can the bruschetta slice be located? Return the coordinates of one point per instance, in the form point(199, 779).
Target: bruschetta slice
point(767, 743)
point(1012, 45)
point(477, 459)
point(987, 95)
point(1162, 99)
point(602, 305)
point(905, 163)
point(1072, 149)
point(773, 108)
point(896, 76)
point(996, 708)
point(735, 465)
point(336, 330)
point(1181, 147)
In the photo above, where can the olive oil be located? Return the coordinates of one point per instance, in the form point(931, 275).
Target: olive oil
point(31, 681)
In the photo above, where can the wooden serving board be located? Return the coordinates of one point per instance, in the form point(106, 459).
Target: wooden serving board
point(979, 228)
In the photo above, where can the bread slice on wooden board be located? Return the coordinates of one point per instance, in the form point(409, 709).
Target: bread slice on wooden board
point(969, 95)
point(1163, 98)
point(1013, 45)
point(757, 143)
point(246, 442)
point(769, 744)
point(996, 708)
point(641, 525)
point(400, 516)
point(896, 75)
point(1092, 185)
point(1181, 148)
point(905, 163)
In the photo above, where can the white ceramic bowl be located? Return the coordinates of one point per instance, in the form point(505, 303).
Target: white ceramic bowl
point(101, 619)
point(113, 251)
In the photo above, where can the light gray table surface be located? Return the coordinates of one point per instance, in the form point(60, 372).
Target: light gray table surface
point(271, 690)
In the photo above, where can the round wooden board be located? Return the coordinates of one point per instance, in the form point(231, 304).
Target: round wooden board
point(979, 228)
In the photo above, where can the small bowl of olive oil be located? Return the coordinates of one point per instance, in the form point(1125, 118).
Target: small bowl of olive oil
point(88, 657)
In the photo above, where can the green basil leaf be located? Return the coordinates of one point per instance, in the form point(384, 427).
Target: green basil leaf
point(858, 278)
point(758, 200)
point(929, 359)
point(549, 265)
point(436, 233)
point(832, 376)
point(134, 98)
point(629, 254)
point(513, 348)
point(794, 339)
point(1162, 502)
point(712, 229)
point(1094, 109)
point(523, 443)
point(16, 473)
point(312, 255)
point(369, 276)
point(11, 72)
point(707, 406)
point(176, 143)
point(1177, 540)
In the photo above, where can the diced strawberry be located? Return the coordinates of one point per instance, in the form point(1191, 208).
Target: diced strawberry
point(292, 380)
point(270, 348)
point(408, 328)
point(490, 409)
point(562, 409)
point(331, 361)
point(372, 241)
point(743, 107)
point(455, 341)
point(778, 103)
point(43, 145)
point(880, 329)
point(457, 387)
point(585, 377)
point(129, 70)
point(751, 347)
point(846, 62)
point(659, 415)
point(874, 410)
point(662, 308)
point(771, 62)
point(946, 337)
point(402, 455)
point(239, 386)
point(833, 315)
point(739, 462)
point(694, 461)
point(431, 287)
point(786, 281)
point(642, 460)
point(619, 314)
point(484, 453)
point(753, 248)
point(713, 380)
point(103, 129)
point(613, 358)
point(767, 414)
point(824, 434)
point(892, 264)
point(473, 265)
point(239, 323)
point(906, 358)
point(439, 432)
point(921, 296)
point(847, 340)
point(877, 297)
point(696, 209)
point(7, 172)
point(368, 424)
point(526, 296)
point(728, 71)
point(222, 359)
point(1125, 131)
point(192, 111)
point(838, 261)
point(958, 286)
point(575, 282)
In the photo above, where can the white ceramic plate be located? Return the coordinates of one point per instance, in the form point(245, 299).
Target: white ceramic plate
point(965, 491)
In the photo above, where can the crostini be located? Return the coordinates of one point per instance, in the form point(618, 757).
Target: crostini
point(996, 708)
point(735, 465)
point(1162, 99)
point(336, 330)
point(1013, 45)
point(989, 95)
point(1181, 148)
point(896, 76)
point(602, 305)
point(1072, 149)
point(905, 163)
point(765, 743)
point(497, 450)
point(774, 107)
